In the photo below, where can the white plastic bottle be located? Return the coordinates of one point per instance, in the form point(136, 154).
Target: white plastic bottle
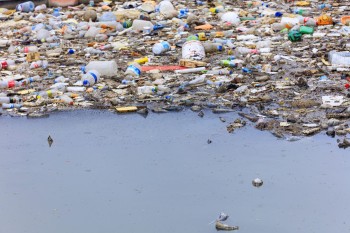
point(161, 47)
point(210, 47)
point(104, 68)
point(40, 7)
point(90, 78)
point(139, 25)
point(29, 49)
point(133, 70)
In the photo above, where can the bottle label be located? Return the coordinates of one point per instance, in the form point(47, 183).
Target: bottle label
point(134, 69)
point(4, 64)
point(94, 76)
point(49, 93)
point(26, 49)
point(11, 84)
point(166, 45)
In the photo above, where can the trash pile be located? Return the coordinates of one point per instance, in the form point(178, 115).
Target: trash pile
point(283, 65)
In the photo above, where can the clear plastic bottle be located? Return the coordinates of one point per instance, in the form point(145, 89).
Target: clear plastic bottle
point(11, 106)
point(47, 94)
point(66, 99)
point(90, 78)
point(26, 6)
point(146, 90)
point(10, 100)
point(42, 34)
point(139, 25)
point(210, 47)
point(5, 64)
point(61, 79)
point(91, 50)
point(220, 72)
point(133, 70)
point(161, 47)
point(29, 80)
point(56, 12)
point(76, 89)
point(40, 7)
point(9, 84)
point(104, 68)
point(38, 64)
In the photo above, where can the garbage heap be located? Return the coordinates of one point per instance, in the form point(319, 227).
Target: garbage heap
point(283, 65)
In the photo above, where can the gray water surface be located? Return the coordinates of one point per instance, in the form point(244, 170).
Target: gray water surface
point(108, 173)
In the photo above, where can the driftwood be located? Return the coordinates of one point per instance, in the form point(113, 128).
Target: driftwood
point(223, 227)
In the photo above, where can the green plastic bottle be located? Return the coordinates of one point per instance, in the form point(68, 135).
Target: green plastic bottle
point(294, 36)
point(306, 30)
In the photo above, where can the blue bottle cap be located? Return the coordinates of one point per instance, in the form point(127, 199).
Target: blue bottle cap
point(86, 83)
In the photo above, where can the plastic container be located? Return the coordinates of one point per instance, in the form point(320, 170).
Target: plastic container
point(90, 78)
point(289, 21)
point(30, 80)
point(210, 47)
point(104, 68)
point(161, 47)
point(193, 50)
point(339, 58)
point(133, 70)
point(228, 63)
point(310, 22)
point(26, 6)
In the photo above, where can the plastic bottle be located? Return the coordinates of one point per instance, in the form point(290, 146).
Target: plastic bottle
point(167, 9)
point(10, 100)
point(339, 58)
point(128, 82)
point(228, 63)
point(9, 84)
point(133, 70)
point(244, 51)
point(302, 12)
point(76, 89)
point(5, 64)
point(28, 49)
point(40, 7)
point(42, 34)
point(29, 80)
point(60, 79)
point(198, 80)
point(217, 9)
point(139, 25)
point(219, 72)
point(59, 86)
point(66, 99)
point(56, 12)
point(161, 47)
point(146, 90)
point(226, 34)
point(91, 3)
point(310, 22)
point(306, 30)
point(47, 94)
point(11, 106)
point(325, 6)
point(278, 26)
point(107, 16)
point(26, 7)
point(90, 78)
point(210, 47)
point(104, 68)
point(91, 50)
point(38, 64)
point(142, 60)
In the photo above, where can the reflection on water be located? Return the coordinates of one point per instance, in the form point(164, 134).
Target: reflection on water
point(123, 173)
